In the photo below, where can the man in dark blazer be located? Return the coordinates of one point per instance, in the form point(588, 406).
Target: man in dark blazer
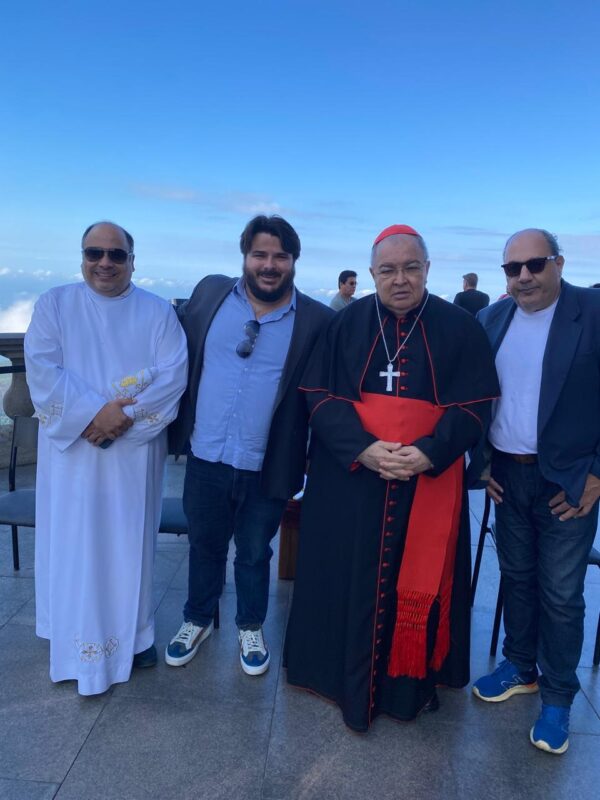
point(244, 425)
point(471, 299)
point(544, 477)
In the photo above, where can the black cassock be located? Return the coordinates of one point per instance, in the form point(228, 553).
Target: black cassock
point(344, 607)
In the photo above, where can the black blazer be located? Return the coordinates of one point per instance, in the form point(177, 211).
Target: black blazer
point(568, 425)
point(282, 473)
point(472, 300)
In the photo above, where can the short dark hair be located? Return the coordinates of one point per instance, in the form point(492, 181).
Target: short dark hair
point(127, 235)
point(471, 279)
point(276, 226)
point(344, 275)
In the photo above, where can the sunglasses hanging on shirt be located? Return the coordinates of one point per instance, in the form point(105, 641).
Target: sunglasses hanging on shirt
point(246, 346)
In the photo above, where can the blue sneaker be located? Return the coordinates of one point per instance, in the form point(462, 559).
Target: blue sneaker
point(184, 645)
point(254, 656)
point(551, 731)
point(505, 681)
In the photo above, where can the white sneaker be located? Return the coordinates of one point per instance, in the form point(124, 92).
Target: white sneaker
point(184, 645)
point(254, 656)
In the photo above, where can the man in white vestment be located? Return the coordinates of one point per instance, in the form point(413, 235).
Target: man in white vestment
point(106, 365)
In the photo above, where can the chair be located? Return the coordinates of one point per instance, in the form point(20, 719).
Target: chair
point(485, 528)
point(17, 507)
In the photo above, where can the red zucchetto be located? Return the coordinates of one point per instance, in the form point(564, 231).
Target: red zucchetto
point(392, 230)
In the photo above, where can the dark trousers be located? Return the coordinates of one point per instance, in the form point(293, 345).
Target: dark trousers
point(543, 563)
point(220, 501)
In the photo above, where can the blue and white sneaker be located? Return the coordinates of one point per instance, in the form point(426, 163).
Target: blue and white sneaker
point(184, 645)
point(254, 655)
point(505, 681)
point(551, 731)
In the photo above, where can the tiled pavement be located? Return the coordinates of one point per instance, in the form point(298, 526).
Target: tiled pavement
point(209, 731)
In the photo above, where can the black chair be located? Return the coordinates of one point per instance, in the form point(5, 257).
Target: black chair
point(17, 507)
point(485, 529)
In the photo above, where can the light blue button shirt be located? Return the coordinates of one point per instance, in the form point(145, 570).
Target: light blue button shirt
point(236, 395)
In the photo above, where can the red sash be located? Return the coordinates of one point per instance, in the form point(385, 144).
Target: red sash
point(428, 561)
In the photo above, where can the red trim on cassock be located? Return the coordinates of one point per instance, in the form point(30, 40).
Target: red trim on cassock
point(427, 568)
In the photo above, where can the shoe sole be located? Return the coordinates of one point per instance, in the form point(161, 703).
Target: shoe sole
point(524, 688)
point(542, 745)
point(180, 661)
point(255, 670)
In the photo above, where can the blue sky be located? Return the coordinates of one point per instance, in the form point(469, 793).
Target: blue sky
point(181, 120)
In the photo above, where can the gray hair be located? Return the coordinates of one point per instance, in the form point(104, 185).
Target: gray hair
point(419, 239)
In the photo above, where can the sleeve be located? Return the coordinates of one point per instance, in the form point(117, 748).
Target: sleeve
point(158, 402)
point(64, 403)
point(337, 425)
point(459, 430)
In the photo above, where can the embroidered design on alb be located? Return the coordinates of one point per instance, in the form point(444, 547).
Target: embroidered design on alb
point(92, 652)
point(56, 410)
point(111, 646)
point(131, 385)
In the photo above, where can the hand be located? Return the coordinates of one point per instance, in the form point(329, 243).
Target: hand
point(404, 464)
point(591, 493)
point(372, 456)
point(110, 422)
point(494, 490)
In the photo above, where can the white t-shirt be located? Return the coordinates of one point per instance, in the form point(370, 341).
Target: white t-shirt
point(519, 366)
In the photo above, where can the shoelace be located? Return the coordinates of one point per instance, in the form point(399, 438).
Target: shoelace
point(185, 634)
point(252, 640)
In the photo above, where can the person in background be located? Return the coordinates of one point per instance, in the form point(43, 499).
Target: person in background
point(346, 289)
point(471, 299)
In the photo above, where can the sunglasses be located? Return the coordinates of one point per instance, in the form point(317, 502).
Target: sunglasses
point(246, 346)
point(115, 254)
point(534, 265)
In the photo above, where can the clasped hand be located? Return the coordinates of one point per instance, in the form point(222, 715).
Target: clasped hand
point(110, 422)
point(394, 461)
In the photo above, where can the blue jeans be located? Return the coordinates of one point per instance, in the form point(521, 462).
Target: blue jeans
point(543, 563)
point(220, 501)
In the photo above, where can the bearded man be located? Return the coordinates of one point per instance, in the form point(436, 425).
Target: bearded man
point(399, 388)
point(246, 424)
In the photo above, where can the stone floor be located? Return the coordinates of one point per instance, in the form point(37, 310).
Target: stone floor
point(209, 731)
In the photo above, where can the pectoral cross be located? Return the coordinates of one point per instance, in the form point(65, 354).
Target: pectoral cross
point(389, 374)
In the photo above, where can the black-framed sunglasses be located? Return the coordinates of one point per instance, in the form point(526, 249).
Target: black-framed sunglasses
point(246, 346)
point(115, 254)
point(534, 265)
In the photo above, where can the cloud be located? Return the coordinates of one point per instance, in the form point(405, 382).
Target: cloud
point(246, 203)
point(42, 273)
point(16, 318)
point(4, 271)
point(467, 230)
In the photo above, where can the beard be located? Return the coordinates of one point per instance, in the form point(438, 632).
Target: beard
point(269, 295)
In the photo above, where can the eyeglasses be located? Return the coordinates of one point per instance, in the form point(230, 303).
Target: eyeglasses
point(534, 265)
point(408, 271)
point(246, 346)
point(115, 254)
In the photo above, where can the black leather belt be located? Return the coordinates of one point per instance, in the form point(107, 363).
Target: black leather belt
point(520, 458)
